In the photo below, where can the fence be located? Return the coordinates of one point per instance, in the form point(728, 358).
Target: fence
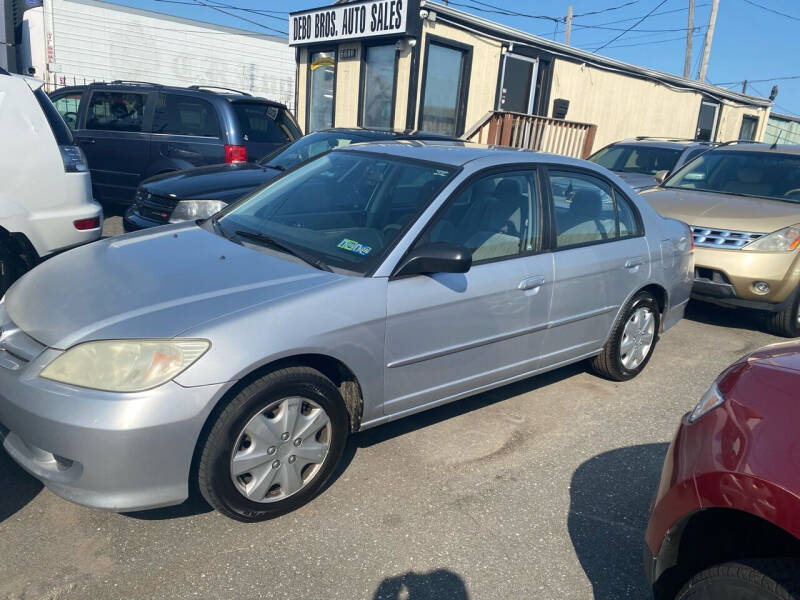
point(532, 132)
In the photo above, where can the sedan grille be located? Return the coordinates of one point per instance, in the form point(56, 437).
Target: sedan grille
point(151, 206)
point(710, 237)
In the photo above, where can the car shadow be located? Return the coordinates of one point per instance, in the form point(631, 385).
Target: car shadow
point(721, 316)
point(609, 507)
point(441, 584)
point(18, 487)
point(193, 506)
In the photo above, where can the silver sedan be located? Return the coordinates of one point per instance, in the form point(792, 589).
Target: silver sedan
point(373, 282)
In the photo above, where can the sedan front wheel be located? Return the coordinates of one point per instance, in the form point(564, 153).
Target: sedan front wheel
point(274, 445)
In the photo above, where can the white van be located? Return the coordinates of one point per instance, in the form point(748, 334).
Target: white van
point(46, 202)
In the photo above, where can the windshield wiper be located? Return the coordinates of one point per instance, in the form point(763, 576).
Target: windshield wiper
point(276, 167)
point(269, 241)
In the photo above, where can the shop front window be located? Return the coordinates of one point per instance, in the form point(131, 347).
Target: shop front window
point(445, 90)
point(322, 71)
point(378, 92)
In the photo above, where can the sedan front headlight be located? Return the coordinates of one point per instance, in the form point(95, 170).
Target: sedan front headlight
point(783, 240)
point(191, 210)
point(710, 400)
point(125, 365)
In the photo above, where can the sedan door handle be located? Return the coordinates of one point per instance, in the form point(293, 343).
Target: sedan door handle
point(531, 283)
point(87, 141)
point(634, 262)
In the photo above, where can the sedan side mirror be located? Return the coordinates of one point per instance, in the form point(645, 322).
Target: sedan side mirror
point(661, 176)
point(435, 258)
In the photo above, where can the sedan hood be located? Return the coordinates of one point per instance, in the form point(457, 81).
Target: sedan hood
point(723, 211)
point(150, 284)
point(637, 181)
point(216, 182)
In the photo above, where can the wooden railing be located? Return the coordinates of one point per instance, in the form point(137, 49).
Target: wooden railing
point(531, 132)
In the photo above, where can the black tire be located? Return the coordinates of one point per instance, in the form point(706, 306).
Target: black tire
point(214, 466)
point(765, 579)
point(609, 363)
point(785, 322)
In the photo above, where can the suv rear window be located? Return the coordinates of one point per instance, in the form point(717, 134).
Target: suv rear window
point(60, 130)
point(265, 123)
point(636, 159)
point(184, 115)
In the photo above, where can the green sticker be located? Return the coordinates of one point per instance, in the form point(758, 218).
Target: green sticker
point(354, 246)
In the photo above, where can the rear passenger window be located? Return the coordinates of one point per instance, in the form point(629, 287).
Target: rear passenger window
point(116, 111)
point(184, 115)
point(588, 211)
point(264, 123)
point(68, 107)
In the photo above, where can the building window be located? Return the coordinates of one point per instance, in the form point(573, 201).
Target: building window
point(749, 126)
point(445, 85)
point(707, 121)
point(322, 78)
point(377, 95)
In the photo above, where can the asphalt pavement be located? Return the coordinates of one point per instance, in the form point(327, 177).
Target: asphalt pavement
point(536, 490)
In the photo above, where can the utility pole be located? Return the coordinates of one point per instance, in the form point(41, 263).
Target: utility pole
point(687, 63)
point(568, 25)
point(744, 86)
point(712, 20)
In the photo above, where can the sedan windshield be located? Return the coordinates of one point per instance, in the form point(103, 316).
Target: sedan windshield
point(307, 147)
point(341, 209)
point(647, 160)
point(761, 174)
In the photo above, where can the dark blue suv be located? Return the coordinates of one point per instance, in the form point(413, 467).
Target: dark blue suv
point(130, 131)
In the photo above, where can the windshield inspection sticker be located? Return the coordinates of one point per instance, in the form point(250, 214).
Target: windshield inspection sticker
point(354, 246)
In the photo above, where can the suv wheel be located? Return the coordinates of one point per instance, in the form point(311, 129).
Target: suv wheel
point(274, 445)
point(786, 322)
point(767, 579)
point(632, 340)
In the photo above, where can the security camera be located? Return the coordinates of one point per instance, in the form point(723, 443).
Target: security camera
point(423, 14)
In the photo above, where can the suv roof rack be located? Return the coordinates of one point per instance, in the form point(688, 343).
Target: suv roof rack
point(132, 82)
point(217, 87)
point(640, 138)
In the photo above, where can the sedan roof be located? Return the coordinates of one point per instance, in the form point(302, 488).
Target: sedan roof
point(458, 154)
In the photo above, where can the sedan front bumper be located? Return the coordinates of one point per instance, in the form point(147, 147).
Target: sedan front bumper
point(116, 451)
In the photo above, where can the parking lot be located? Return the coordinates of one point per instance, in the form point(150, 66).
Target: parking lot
point(536, 490)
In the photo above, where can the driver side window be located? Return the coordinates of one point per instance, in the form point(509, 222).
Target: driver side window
point(496, 216)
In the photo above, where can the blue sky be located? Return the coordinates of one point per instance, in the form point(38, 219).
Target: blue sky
point(750, 42)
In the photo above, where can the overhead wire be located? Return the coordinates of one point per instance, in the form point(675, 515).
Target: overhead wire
point(772, 10)
point(659, 5)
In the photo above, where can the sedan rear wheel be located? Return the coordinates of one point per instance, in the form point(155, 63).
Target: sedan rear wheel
point(274, 445)
point(632, 340)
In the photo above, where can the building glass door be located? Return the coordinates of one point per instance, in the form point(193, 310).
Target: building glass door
point(321, 80)
point(707, 121)
point(518, 84)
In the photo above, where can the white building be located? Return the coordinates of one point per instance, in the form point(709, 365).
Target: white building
point(70, 42)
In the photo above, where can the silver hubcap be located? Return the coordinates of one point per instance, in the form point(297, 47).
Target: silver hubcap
point(637, 338)
point(281, 450)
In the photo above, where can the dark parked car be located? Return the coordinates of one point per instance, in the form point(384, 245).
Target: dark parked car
point(199, 193)
point(130, 131)
point(725, 522)
point(644, 162)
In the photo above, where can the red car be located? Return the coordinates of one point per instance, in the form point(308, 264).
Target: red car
point(725, 521)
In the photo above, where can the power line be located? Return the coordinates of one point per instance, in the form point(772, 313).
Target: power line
point(235, 16)
point(263, 13)
point(659, 5)
point(672, 39)
point(772, 10)
point(767, 80)
point(491, 8)
point(605, 10)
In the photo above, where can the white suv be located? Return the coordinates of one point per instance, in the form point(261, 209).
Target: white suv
point(46, 202)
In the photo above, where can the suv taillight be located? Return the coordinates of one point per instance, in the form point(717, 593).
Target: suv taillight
point(85, 224)
point(74, 159)
point(235, 154)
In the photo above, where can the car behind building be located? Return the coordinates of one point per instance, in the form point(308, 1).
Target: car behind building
point(743, 204)
point(725, 520)
point(132, 130)
point(46, 203)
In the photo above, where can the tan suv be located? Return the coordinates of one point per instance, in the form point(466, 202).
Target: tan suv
point(743, 205)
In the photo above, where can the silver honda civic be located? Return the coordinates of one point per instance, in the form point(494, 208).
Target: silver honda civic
point(373, 282)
